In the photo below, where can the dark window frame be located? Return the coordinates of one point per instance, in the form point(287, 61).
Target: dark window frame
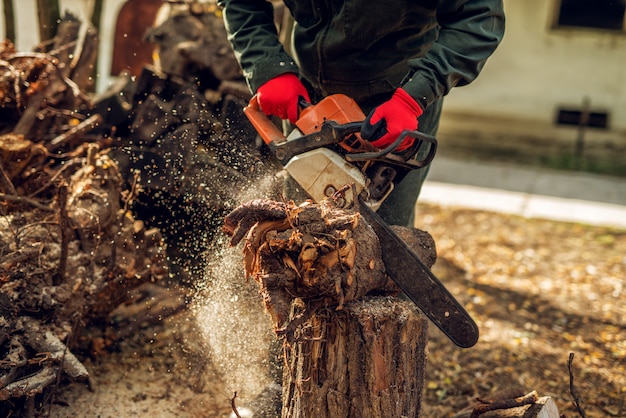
point(571, 116)
point(571, 14)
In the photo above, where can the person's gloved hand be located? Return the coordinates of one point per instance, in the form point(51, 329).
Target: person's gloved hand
point(385, 123)
point(279, 96)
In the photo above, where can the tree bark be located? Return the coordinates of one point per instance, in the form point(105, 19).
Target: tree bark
point(365, 360)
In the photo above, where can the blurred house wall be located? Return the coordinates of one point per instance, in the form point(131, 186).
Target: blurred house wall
point(537, 70)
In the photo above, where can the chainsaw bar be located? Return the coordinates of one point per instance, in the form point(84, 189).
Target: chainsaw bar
point(420, 284)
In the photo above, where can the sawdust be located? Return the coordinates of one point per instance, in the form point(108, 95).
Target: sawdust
point(538, 290)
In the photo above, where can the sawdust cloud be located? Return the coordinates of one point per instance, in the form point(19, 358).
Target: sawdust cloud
point(231, 317)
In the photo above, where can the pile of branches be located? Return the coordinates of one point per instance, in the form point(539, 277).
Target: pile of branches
point(70, 249)
point(101, 194)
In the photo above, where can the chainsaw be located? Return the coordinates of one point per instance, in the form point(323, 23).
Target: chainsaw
point(325, 152)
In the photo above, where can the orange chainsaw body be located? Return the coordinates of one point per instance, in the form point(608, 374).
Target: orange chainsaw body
point(337, 107)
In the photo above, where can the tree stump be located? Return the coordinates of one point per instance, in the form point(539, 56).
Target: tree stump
point(365, 360)
point(352, 348)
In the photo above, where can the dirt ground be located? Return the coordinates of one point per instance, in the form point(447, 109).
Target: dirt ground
point(539, 290)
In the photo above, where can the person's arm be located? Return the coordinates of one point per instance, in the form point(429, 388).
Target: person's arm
point(470, 31)
point(254, 38)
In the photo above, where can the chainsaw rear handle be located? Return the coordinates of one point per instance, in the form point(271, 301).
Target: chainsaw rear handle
point(421, 139)
point(269, 132)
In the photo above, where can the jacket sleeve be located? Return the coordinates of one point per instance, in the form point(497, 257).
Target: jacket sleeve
point(469, 32)
point(254, 38)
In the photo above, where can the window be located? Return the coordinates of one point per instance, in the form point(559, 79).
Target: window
point(582, 118)
point(597, 14)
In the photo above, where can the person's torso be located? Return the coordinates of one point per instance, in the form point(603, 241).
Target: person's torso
point(344, 43)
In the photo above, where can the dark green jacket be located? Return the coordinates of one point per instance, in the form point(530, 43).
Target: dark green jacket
point(367, 47)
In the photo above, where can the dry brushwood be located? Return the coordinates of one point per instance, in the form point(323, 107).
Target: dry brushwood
point(38, 95)
point(70, 251)
point(62, 267)
point(192, 41)
point(187, 135)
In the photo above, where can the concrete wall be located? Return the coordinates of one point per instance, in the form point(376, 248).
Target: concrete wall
point(538, 69)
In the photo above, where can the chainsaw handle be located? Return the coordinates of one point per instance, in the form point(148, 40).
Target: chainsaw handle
point(269, 132)
point(420, 140)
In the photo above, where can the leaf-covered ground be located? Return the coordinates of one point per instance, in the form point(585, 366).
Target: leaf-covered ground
point(539, 290)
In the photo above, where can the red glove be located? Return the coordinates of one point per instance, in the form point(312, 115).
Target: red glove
point(279, 96)
point(385, 123)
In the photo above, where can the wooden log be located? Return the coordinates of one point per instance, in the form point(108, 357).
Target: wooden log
point(545, 407)
point(365, 360)
point(526, 406)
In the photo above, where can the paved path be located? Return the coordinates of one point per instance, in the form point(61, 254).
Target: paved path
point(530, 192)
